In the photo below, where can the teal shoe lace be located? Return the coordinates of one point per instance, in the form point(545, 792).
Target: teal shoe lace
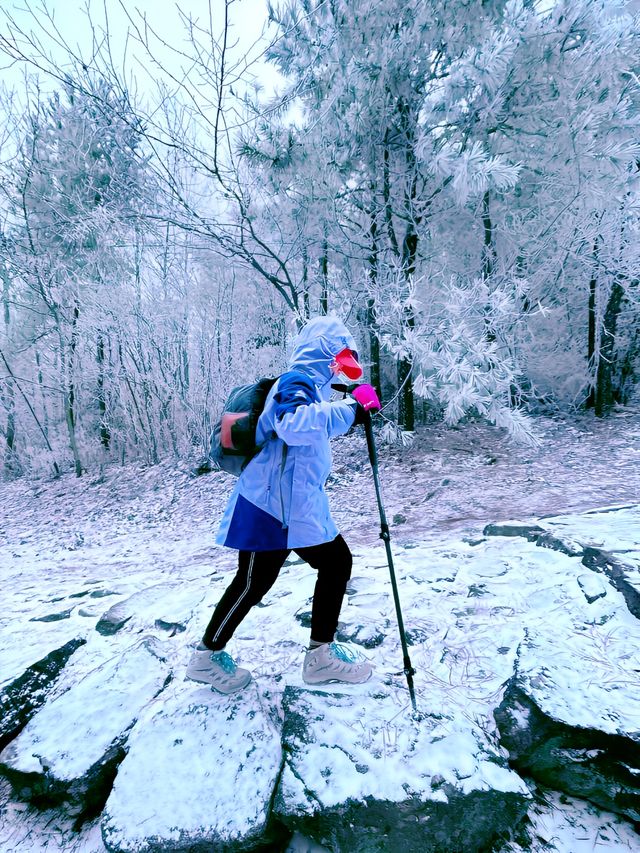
point(225, 661)
point(342, 653)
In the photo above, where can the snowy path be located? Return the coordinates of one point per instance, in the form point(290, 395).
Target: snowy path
point(138, 544)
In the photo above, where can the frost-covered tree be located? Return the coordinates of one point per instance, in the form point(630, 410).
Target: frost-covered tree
point(475, 149)
point(554, 92)
point(72, 191)
point(124, 329)
point(458, 180)
point(359, 75)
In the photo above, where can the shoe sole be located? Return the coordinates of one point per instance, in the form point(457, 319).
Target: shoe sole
point(337, 681)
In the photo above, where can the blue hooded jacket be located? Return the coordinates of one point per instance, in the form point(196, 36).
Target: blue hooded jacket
point(279, 500)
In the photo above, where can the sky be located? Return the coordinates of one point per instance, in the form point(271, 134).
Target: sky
point(73, 21)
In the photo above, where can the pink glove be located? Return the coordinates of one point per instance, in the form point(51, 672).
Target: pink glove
point(367, 397)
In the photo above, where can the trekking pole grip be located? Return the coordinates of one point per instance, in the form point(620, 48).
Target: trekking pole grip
point(371, 445)
point(373, 459)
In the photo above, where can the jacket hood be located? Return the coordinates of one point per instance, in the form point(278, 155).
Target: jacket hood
point(317, 344)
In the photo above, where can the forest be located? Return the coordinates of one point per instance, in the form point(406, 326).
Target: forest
point(457, 180)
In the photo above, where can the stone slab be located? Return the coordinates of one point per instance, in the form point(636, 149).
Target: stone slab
point(363, 773)
point(207, 764)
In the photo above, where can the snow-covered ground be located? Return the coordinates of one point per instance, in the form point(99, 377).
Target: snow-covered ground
point(140, 542)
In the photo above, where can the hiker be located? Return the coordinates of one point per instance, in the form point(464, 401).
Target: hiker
point(279, 505)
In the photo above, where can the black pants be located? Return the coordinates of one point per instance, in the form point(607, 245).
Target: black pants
point(257, 572)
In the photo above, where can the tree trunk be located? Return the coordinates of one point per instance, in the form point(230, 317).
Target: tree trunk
point(105, 434)
point(406, 409)
point(184, 357)
point(70, 392)
point(374, 341)
point(386, 194)
point(591, 341)
point(591, 334)
point(43, 397)
point(374, 349)
point(488, 260)
point(8, 397)
point(605, 389)
point(11, 419)
point(324, 278)
point(306, 305)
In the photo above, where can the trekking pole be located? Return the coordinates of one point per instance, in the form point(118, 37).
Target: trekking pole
point(409, 671)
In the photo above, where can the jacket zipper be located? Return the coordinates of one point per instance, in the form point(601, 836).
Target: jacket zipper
point(285, 521)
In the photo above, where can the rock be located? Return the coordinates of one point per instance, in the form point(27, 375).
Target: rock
point(625, 578)
point(369, 636)
point(570, 716)
point(70, 750)
point(90, 612)
point(169, 605)
point(416, 636)
point(514, 528)
point(113, 620)
point(172, 628)
point(586, 763)
point(208, 765)
point(23, 695)
point(53, 617)
point(592, 586)
point(615, 528)
point(119, 614)
point(477, 590)
point(560, 543)
point(571, 535)
point(304, 618)
point(204, 466)
point(360, 776)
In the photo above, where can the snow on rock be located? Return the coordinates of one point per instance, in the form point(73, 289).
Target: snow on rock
point(592, 586)
point(207, 765)
point(362, 773)
point(21, 695)
point(624, 576)
point(560, 824)
point(616, 528)
point(570, 717)
point(168, 606)
point(470, 607)
point(561, 543)
point(586, 536)
point(69, 750)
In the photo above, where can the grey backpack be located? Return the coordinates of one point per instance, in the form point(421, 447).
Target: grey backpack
point(233, 439)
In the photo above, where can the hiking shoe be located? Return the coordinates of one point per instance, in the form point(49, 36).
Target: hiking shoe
point(217, 669)
point(334, 662)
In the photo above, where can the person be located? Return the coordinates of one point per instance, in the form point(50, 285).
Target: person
point(279, 505)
